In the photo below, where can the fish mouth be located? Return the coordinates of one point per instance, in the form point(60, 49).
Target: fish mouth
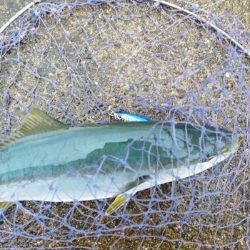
point(233, 149)
point(236, 145)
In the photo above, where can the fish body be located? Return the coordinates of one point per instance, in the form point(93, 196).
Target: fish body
point(49, 161)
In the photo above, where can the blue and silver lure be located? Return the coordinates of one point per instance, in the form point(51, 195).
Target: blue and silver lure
point(127, 117)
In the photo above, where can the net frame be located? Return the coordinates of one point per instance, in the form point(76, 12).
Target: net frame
point(104, 229)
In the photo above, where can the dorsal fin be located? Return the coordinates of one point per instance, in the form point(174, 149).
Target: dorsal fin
point(35, 122)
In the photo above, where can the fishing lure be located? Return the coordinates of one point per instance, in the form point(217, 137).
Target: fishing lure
point(127, 117)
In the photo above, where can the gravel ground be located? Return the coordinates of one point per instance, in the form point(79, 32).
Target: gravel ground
point(81, 66)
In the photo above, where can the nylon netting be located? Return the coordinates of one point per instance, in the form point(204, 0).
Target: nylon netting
point(80, 60)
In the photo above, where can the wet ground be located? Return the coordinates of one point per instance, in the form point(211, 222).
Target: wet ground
point(81, 66)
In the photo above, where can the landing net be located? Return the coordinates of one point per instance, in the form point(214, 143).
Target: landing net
point(81, 60)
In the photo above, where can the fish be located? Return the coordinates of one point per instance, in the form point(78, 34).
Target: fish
point(127, 117)
point(46, 160)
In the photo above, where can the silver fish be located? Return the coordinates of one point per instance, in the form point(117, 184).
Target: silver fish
point(46, 160)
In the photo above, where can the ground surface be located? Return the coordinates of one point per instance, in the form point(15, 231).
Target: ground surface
point(80, 67)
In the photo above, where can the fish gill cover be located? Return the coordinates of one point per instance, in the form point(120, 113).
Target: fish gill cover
point(79, 61)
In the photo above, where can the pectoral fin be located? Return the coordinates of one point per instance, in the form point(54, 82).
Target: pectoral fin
point(131, 188)
point(119, 201)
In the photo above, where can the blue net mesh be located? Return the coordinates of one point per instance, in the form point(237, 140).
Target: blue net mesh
point(81, 60)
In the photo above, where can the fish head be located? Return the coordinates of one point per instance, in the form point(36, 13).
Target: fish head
point(187, 144)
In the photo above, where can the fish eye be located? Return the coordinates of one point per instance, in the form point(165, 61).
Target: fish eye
point(209, 156)
point(224, 149)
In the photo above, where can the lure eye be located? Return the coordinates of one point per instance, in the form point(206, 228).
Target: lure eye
point(115, 117)
point(118, 117)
